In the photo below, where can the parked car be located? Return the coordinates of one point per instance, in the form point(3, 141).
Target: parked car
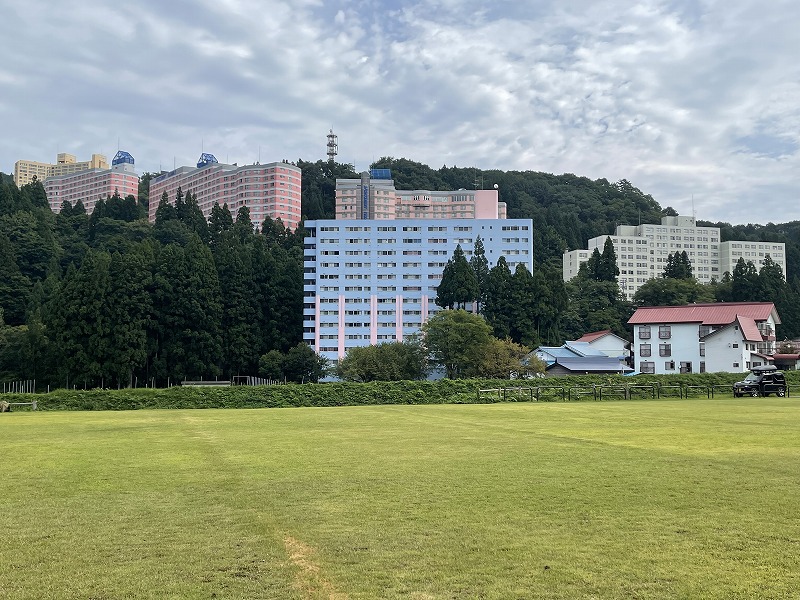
point(762, 381)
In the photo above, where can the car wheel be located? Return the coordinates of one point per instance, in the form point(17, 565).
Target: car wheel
point(754, 394)
point(780, 393)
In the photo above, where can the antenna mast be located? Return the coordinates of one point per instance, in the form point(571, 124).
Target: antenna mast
point(333, 145)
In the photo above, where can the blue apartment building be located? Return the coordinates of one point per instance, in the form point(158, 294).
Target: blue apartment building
point(369, 281)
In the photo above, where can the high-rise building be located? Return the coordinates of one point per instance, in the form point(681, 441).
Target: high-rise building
point(66, 164)
point(90, 185)
point(369, 281)
point(268, 190)
point(374, 196)
point(642, 252)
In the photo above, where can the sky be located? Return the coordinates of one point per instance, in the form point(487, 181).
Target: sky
point(695, 102)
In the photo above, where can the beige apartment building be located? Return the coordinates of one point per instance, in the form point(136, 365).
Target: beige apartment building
point(66, 164)
point(374, 196)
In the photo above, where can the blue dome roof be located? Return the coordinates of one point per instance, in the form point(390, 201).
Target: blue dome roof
point(122, 157)
point(206, 159)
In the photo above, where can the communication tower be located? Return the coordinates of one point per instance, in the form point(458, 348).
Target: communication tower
point(333, 146)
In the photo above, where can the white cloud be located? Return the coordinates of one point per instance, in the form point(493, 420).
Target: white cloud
point(681, 98)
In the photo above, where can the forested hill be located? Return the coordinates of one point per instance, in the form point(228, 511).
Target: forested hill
point(567, 210)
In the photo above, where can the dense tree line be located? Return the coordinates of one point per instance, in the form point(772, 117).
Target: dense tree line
point(108, 299)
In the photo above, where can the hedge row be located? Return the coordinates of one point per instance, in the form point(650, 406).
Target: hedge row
point(342, 394)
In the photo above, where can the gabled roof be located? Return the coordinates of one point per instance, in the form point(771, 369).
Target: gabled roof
point(747, 327)
point(716, 313)
point(556, 351)
point(590, 337)
point(583, 349)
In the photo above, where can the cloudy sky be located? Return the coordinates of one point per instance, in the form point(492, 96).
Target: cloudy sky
point(684, 98)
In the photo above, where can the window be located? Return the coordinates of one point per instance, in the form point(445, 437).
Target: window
point(664, 332)
point(702, 349)
point(644, 349)
point(647, 367)
point(669, 365)
point(665, 349)
point(644, 332)
point(702, 366)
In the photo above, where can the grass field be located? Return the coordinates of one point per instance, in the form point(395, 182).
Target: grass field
point(646, 499)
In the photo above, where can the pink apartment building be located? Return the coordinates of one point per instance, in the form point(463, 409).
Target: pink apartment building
point(91, 185)
point(268, 190)
point(374, 196)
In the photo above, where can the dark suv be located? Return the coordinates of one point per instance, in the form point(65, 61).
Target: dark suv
point(762, 381)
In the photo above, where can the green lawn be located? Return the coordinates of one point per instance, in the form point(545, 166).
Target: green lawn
point(640, 499)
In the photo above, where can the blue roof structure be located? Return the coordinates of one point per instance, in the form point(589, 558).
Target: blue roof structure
point(380, 173)
point(594, 364)
point(206, 159)
point(583, 349)
point(122, 157)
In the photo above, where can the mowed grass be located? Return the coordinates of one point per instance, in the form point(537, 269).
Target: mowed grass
point(644, 499)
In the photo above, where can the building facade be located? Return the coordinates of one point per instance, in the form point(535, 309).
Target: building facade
point(715, 337)
point(374, 196)
point(369, 281)
point(90, 185)
point(642, 252)
point(66, 164)
point(268, 190)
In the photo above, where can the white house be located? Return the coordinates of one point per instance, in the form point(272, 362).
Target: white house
point(727, 336)
point(608, 343)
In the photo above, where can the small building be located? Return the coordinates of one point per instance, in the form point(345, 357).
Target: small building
point(579, 358)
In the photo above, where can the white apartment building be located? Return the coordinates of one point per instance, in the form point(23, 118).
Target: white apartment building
point(642, 252)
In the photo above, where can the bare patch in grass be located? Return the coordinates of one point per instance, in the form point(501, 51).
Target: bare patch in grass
point(309, 578)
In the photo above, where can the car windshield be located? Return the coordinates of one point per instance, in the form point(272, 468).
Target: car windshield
point(752, 377)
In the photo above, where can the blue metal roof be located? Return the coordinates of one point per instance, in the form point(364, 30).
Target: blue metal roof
point(594, 364)
point(583, 349)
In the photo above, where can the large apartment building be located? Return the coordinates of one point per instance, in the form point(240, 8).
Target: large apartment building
point(374, 196)
point(66, 164)
point(90, 185)
point(369, 281)
point(268, 190)
point(642, 252)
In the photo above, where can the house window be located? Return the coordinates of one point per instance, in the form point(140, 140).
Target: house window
point(736, 345)
point(686, 367)
point(669, 365)
point(644, 332)
point(705, 330)
point(735, 365)
point(664, 332)
point(665, 349)
point(702, 349)
point(644, 349)
point(647, 367)
point(702, 366)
